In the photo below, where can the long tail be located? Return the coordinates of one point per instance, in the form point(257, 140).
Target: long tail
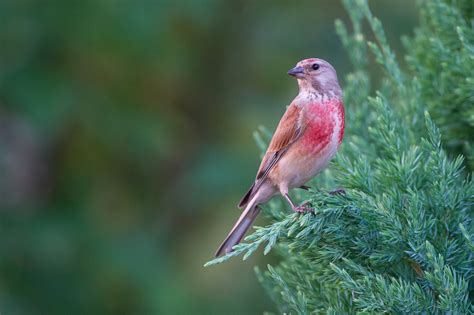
point(241, 226)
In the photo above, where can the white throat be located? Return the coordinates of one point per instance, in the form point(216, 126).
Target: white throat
point(312, 95)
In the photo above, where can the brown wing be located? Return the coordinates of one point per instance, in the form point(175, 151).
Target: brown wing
point(288, 130)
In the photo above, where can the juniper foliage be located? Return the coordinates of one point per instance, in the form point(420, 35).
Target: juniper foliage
point(401, 238)
point(441, 55)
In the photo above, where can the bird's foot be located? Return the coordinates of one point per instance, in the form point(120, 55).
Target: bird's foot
point(303, 208)
point(339, 191)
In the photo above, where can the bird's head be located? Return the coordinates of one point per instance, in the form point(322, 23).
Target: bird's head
point(316, 74)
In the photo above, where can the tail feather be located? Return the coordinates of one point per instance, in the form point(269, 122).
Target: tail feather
point(239, 229)
point(246, 198)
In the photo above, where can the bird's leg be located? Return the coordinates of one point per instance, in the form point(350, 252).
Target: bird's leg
point(287, 197)
point(301, 208)
point(338, 191)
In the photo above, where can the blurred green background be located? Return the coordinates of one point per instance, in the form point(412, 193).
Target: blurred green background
point(126, 142)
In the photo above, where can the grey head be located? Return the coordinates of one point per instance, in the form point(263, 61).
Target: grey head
point(316, 75)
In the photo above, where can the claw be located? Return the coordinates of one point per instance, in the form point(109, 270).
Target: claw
point(339, 191)
point(303, 208)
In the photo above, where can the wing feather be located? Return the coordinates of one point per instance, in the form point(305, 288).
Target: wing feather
point(288, 131)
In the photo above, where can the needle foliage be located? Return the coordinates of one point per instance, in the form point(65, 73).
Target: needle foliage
point(401, 238)
point(441, 54)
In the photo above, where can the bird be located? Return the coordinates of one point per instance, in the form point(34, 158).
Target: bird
point(307, 137)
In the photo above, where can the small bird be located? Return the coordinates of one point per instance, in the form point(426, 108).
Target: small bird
point(307, 137)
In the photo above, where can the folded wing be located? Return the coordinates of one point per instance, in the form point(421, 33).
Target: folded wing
point(288, 131)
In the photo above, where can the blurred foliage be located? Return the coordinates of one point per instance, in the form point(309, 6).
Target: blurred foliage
point(126, 141)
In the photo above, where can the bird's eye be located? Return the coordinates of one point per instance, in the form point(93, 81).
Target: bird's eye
point(315, 66)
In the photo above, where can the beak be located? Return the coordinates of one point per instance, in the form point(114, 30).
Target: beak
point(296, 72)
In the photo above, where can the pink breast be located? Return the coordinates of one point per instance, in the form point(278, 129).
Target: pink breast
point(322, 120)
point(342, 119)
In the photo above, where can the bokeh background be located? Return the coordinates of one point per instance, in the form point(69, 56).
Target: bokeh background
point(126, 142)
